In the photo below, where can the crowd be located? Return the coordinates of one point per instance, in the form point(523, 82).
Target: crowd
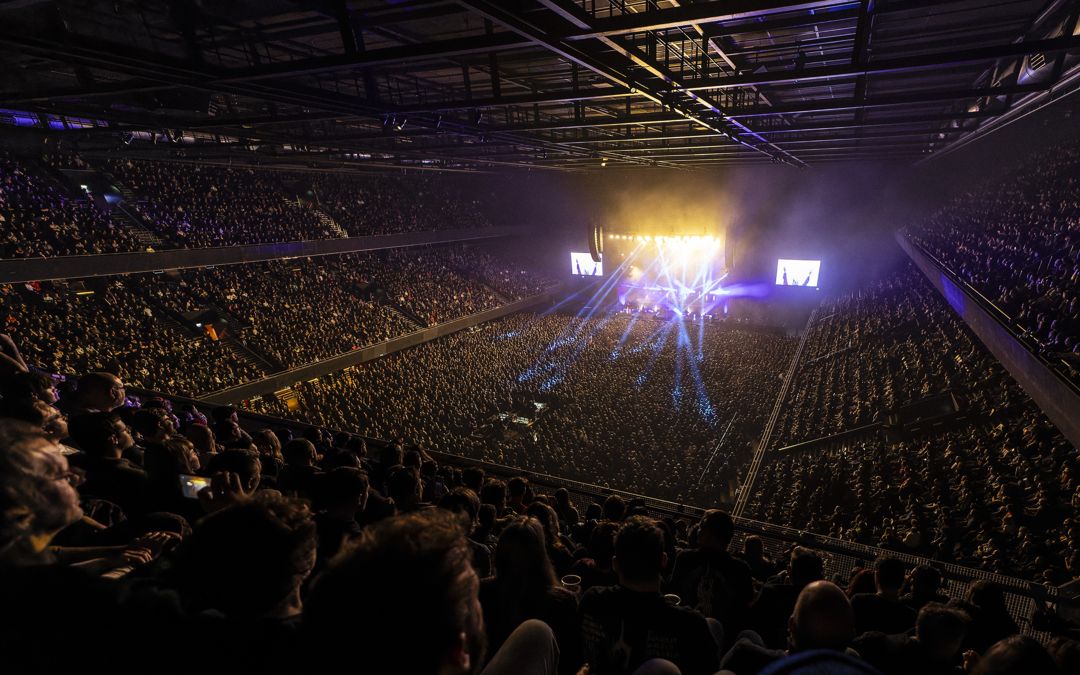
point(992, 486)
point(193, 205)
point(999, 492)
point(870, 352)
point(286, 313)
point(38, 220)
point(366, 205)
point(1016, 239)
point(429, 286)
point(500, 268)
point(136, 532)
point(653, 407)
point(200, 206)
point(293, 312)
point(72, 327)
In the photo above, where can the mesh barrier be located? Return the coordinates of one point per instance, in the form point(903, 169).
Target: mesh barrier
point(840, 557)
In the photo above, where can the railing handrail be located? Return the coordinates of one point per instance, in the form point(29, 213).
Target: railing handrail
point(303, 366)
point(676, 509)
point(1006, 321)
point(743, 497)
point(801, 445)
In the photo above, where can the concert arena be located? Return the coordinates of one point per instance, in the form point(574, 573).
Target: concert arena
point(540, 337)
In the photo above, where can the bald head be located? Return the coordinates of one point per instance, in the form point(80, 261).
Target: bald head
point(101, 391)
point(822, 618)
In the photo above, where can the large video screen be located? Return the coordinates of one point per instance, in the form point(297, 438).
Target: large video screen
point(797, 272)
point(583, 265)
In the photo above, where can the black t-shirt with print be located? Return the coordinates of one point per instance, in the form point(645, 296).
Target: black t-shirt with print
point(622, 629)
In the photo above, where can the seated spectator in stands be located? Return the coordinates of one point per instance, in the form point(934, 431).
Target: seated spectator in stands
point(434, 483)
point(339, 495)
point(627, 626)
point(924, 584)
point(525, 587)
point(51, 421)
point(990, 619)
point(761, 568)
point(1066, 654)
point(709, 579)
point(36, 498)
point(300, 468)
point(202, 437)
point(226, 424)
point(103, 439)
point(269, 446)
point(249, 560)
point(164, 464)
point(348, 450)
point(515, 494)
point(567, 513)
point(464, 502)
point(473, 478)
point(774, 604)
point(494, 492)
point(883, 611)
point(862, 581)
point(486, 523)
point(244, 464)
point(153, 425)
point(40, 600)
point(614, 509)
point(95, 392)
point(11, 361)
point(29, 385)
point(820, 619)
point(1016, 655)
point(933, 650)
point(404, 599)
point(558, 551)
point(404, 486)
point(596, 569)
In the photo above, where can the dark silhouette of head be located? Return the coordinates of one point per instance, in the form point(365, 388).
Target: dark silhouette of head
point(404, 582)
point(822, 618)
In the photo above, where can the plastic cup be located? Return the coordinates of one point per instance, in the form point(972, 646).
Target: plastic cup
point(572, 582)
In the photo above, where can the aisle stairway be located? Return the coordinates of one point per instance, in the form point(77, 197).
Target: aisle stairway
point(250, 356)
point(126, 218)
point(329, 223)
point(409, 316)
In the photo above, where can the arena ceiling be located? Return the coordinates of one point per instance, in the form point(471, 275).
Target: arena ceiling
point(565, 85)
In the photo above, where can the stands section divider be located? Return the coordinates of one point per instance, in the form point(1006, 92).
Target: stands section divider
point(766, 434)
point(840, 556)
point(1053, 392)
point(108, 264)
point(831, 438)
point(308, 371)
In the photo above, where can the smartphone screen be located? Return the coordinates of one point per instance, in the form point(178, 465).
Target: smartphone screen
point(190, 485)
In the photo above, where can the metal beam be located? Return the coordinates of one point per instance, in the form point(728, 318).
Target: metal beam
point(896, 99)
point(794, 128)
point(443, 49)
point(801, 20)
point(886, 122)
point(602, 94)
point(714, 118)
point(925, 135)
point(898, 65)
point(690, 15)
point(102, 55)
